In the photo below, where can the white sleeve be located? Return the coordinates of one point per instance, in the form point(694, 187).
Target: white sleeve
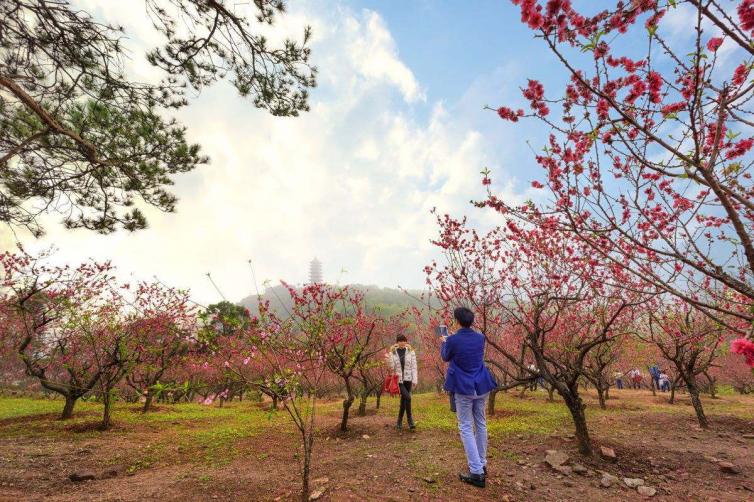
point(415, 376)
point(391, 363)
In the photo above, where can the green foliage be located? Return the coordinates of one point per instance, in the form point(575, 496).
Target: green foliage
point(79, 138)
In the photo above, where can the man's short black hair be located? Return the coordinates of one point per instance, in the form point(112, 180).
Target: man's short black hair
point(401, 338)
point(464, 316)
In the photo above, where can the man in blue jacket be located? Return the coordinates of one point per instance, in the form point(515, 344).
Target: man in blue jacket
point(470, 381)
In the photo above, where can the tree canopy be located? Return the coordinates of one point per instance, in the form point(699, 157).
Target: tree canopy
point(80, 138)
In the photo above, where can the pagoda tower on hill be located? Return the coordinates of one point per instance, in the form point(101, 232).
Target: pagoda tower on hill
point(315, 272)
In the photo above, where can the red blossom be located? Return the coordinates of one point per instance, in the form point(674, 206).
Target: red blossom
point(745, 348)
point(746, 14)
point(673, 108)
point(739, 148)
point(740, 74)
point(506, 113)
point(714, 44)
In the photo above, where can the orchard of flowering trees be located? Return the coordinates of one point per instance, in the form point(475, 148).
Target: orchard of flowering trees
point(80, 333)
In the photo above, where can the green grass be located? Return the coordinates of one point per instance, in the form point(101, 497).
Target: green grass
point(12, 407)
point(513, 415)
point(191, 431)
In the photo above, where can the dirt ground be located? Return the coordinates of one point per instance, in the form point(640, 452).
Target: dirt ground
point(257, 459)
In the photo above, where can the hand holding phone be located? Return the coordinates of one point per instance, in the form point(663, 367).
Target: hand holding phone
point(441, 331)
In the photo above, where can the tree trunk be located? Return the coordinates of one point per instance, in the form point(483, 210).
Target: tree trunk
point(696, 402)
point(306, 471)
point(363, 404)
point(379, 397)
point(107, 400)
point(673, 386)
point(70, 402)
point(147, 402)
point(346, 409)
point(551, 393)
point(491, 402)
point(274, 405)
point(712, 386)
point(601, 397)
point(576, 407)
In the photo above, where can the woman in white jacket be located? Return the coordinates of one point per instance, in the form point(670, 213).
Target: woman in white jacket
point(401, 360)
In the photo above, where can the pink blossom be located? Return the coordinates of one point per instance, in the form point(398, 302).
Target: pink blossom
point(745, 348)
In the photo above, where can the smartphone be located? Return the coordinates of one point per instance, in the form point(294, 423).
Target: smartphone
point(441, 330)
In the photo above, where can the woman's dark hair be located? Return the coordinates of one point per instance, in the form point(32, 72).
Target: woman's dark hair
point(464, 316)
point(401, 338)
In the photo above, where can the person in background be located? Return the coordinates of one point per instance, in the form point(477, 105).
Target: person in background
point(401, 360)
point(663, 382)
point(532, 372)
point(630, 378)
point(637, 378)
point(618, 376)
point(654, 372)
point(471, 382)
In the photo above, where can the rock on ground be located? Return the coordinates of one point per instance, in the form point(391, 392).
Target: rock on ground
point(633, 482)
point(608, 480)
point(729, 468)
point(316, 494)
point(647, 491)
point(556, 458)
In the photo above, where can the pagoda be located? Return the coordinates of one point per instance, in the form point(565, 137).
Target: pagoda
point(315, 272)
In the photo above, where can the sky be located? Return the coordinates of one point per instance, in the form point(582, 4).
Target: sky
point(397, 126)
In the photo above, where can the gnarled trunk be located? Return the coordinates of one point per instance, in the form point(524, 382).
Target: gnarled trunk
point(346, 409)
point(696, 402)
point(107, 400)
point(363, 403)
point(491, 402)
point(147, 402)
point(601, 396)
point(70, 402)
point(576, 407)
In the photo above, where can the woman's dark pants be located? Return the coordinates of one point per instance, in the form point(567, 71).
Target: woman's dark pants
point(405, 388)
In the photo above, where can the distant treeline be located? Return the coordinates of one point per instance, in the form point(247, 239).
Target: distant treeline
point(386, 301)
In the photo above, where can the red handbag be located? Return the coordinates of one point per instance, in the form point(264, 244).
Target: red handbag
point(391, 385)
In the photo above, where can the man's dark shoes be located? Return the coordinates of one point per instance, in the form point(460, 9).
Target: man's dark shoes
point(477, 480)
point(412, 426)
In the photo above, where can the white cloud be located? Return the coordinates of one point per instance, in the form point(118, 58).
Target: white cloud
point(351, 182)
point(373, 54)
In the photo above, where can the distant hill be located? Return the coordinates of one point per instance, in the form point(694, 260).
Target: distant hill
point(387, 301)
